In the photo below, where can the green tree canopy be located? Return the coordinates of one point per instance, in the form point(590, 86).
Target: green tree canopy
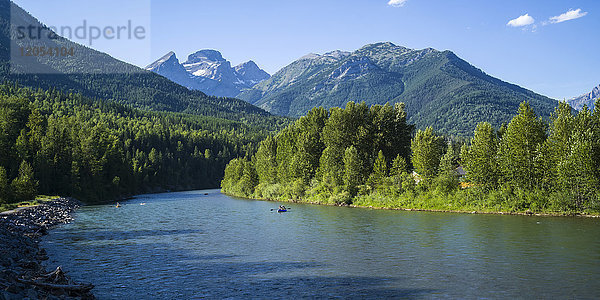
point(352, 170)
point(25, 185)
point(427, 152)
point(479, 159)
point(399, 166)
point(519, 147)
point(380, 170)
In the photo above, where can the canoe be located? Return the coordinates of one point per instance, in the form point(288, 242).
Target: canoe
point(281, 210)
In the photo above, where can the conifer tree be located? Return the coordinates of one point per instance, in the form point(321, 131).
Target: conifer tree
point(249, 179)
point(265, 161)
point(398, 166)
point(286, 149)
point(380, 171)
point(447, 179)
point(352, 170)
point(447, 161)
point(577, 172)
point(479, 160)
point(556, 147)
point(4, 187)
point(331, 166)
point(25, 185)
point(427, 152)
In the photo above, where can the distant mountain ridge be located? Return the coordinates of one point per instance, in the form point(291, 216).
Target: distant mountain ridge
point(588, 99)
point(439, 88)
point(209, 72)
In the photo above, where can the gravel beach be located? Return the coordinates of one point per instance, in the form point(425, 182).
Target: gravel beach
point(22, 275)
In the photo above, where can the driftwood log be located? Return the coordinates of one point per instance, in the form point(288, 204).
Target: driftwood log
point(80, 288)
point(57, 280)
point(56, 276)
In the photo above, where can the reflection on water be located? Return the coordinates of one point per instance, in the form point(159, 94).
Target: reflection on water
point(191, 245)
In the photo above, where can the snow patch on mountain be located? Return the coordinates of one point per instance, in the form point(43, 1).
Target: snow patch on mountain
point(207, 71)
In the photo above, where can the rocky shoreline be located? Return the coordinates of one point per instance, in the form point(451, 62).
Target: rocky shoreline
point(22, 275)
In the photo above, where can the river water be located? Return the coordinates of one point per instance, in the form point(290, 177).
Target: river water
point(191, 245)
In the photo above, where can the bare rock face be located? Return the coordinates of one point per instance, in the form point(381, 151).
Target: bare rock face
point(588, 99)
point(207, 71)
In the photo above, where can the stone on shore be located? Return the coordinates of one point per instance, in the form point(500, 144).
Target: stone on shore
point(22, 275)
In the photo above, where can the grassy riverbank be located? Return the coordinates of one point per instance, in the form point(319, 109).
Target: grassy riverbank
point(461, 201)
point(37, 201)
point(522, 203)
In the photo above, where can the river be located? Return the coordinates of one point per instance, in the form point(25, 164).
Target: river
point(203, 244)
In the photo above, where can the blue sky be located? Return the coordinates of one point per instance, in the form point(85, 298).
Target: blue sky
point(550, 47)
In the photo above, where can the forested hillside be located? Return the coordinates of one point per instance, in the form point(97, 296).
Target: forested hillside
point(439, 89)
point(98, 75)
point(96, 128)
point(69, 145)
point(366, 157)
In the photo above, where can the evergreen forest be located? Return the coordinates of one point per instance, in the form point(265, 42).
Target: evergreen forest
point(53, 143)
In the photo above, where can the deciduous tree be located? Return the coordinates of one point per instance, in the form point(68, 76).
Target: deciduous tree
point(519, 147)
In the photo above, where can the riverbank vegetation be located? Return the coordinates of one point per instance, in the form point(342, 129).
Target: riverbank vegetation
point(40, 199)
point(371, 157)
point(69, 145)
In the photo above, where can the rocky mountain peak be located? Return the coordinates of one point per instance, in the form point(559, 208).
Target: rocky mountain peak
point(250, 73)
point(209, 64)
point(338, 54)
point(168, 59)
point(595, 93)
point(588, 99)
point(246, 66)
point(382, 46)
point(205, 55)
point(385, 45)
point(207, 71)
point(309, 56)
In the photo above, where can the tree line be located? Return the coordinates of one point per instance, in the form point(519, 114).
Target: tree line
point(372, 157)
point(66, 144)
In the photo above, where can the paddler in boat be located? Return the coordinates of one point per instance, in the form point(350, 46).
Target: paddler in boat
point(118, 205)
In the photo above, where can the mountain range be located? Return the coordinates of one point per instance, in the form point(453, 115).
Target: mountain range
point(588, 99)
point(439, 88)
point(209, 72)
point(98, 75)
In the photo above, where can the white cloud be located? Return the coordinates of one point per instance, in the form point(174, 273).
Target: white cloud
point(569, 15)
point(397, 3)
point(523, 20)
